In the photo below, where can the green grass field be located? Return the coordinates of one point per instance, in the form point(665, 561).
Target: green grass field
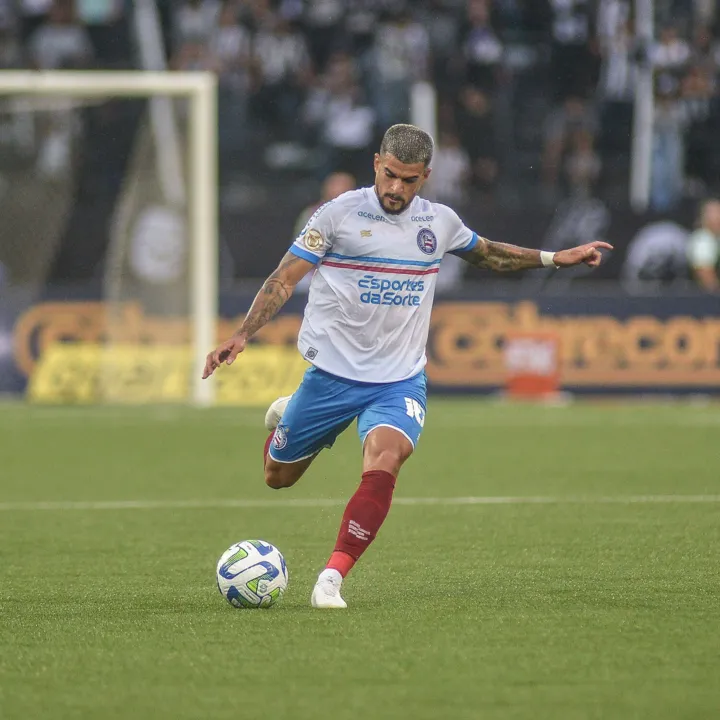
point(590, 591)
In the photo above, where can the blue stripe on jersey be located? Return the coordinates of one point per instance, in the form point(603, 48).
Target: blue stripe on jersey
point(304, 254)
point(473, 242)
point(388, 261)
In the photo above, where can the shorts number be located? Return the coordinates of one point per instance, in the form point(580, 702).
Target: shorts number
point(415, 410)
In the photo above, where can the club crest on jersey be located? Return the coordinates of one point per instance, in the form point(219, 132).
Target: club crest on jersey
point(312, 240)
point(279, 440)
point(426, 240)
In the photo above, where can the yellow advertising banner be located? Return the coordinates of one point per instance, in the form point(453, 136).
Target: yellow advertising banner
point(81, 373)
point(146, 357)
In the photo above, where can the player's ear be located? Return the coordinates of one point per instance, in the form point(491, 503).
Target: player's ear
point(376, 162)
point(426, 174)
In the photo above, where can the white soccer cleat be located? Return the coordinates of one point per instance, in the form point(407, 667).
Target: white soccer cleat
point(275, 412)
point(326, 593)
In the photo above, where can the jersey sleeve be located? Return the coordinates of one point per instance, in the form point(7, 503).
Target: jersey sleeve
point(461, 238)
point(318, 235)
point(703, 249)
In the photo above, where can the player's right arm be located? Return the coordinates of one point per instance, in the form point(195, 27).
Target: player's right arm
point(305, 253)
point(272, 296)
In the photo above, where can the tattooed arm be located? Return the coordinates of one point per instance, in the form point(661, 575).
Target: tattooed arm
point(274, 293)
point(506, 258)
point(272, 296)
point(502, 257)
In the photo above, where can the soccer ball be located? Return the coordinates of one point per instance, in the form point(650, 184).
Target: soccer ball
point(252, 574)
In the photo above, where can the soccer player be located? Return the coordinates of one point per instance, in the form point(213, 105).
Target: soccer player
point(376, 252)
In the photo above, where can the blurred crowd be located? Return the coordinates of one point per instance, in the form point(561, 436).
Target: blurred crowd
point(539, 91)
point(64, 34)
point(534, 92)
point(535, 97)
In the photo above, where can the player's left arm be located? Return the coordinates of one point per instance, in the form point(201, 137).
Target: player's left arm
point(502, 257)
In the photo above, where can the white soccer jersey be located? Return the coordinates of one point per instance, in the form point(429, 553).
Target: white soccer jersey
point(368, 311)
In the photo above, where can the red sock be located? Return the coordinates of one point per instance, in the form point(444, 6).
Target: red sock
point(362, 519)
point(267, 447)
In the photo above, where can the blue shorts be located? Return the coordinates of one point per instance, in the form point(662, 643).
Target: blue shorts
point(324, 405)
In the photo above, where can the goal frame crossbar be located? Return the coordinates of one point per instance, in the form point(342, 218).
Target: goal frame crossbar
point(200, 88)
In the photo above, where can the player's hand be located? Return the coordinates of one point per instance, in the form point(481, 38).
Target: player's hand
point(225, 353)
point(588, 254)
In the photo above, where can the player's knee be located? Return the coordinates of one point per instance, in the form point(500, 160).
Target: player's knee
point(386, 449)
point(387, 459)
point(285, 475)
point(274, 479)
point(279, 476)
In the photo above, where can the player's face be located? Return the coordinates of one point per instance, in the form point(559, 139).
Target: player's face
point(396, 183)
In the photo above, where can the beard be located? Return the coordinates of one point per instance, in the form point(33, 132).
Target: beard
point(391, 211)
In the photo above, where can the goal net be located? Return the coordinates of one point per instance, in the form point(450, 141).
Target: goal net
point(108, 246)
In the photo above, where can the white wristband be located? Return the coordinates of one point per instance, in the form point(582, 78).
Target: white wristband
point(547, 258)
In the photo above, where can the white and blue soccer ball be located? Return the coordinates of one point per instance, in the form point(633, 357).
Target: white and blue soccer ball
point(252, 574)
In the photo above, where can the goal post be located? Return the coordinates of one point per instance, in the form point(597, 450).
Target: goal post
point(200, 90)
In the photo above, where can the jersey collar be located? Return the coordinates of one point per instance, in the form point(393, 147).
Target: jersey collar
point(390, 218)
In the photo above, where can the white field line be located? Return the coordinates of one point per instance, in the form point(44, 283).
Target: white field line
point(328, 502)
point(484, 416)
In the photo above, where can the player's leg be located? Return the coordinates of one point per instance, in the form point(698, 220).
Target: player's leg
point(281, 475)
point(385, 450)
point(304, 424)
point(390, 428)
